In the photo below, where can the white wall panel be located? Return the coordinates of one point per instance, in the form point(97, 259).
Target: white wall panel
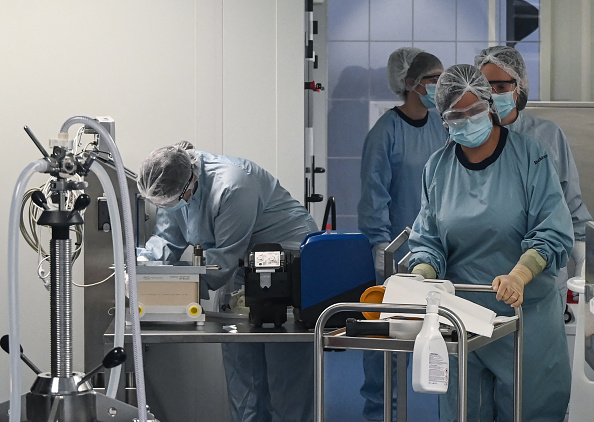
point(250, 80)
point(290, 103)
point(209, 76)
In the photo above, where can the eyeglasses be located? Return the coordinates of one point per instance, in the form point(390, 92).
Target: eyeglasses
point(499, 87)
point(172, 203)
point(185, 189)
point(430, 79)
point(458, 117)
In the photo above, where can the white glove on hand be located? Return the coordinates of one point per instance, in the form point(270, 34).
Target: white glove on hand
point(510, 287)
point(578, 254)
point(378, 262)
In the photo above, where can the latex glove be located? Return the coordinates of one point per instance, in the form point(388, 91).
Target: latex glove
point(510, 288)
point(378, 261)
point(426, 270)
point(578, 254)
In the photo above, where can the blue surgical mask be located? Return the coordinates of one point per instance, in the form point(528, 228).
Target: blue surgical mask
point(505, 103)
point(473, 134)
point(181, 204)
point(428, 100)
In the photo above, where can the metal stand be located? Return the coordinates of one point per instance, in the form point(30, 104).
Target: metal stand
point(338, 340)
point(61, 394)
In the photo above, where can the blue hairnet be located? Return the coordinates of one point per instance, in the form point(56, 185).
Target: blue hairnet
point(510, 60)
point(456, 81)
point(164, 174)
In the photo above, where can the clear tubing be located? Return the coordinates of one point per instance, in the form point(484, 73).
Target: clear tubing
point(13, 288)
point(130, 252)
point(118, 259)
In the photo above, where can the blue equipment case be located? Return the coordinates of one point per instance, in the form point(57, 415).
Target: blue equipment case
point(335, 267)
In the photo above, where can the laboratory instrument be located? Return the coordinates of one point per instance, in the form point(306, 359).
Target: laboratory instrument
point(62, 394)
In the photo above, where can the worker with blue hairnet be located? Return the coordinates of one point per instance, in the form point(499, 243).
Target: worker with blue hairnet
point(506, 71)
point(493, 213)
point(394, 153)
point(227, 205)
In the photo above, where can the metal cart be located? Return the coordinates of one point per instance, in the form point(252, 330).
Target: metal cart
point(465, 344)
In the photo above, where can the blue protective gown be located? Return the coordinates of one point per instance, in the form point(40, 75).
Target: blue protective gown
point(554, 141)
point(475, 222)
point(238, 204)
point(394, 154)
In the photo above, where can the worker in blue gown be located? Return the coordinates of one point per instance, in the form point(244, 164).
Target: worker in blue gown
point(506, 71)
point(493, 213)
point(394, 153)
point(226, 205)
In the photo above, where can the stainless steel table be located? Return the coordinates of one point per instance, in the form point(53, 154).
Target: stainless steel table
point(176, 395)
point(218, 328)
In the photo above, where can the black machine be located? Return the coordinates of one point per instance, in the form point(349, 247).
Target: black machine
point(269, 283)
point(328, 268)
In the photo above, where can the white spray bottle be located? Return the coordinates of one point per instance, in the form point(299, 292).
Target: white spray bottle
point(431, 365)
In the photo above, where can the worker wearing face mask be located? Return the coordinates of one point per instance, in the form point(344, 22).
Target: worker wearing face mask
point(394, 153)
point(227, 205)
point(493, 214)
point(506, 71)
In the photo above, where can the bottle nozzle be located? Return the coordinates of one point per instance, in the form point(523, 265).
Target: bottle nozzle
point(433, 300)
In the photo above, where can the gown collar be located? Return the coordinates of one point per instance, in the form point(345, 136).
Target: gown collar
point(416, 123)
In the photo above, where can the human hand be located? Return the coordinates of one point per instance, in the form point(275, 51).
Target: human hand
point(510, 289)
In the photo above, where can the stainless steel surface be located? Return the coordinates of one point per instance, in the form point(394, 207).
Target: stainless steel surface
point(104, 409)
point(401, 385)
point(518, 362)
point(391, 248)
point(183, 364)
point(54, 408)
point(338, 340)
point(589, 294)
point(388, 385)
point(98, 258)
point(61, 308)
point(589, 275)
point(165, 268)
point(218, 330)
point(45, 383)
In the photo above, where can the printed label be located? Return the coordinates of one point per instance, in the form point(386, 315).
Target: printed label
point(438, 370)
